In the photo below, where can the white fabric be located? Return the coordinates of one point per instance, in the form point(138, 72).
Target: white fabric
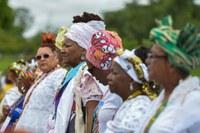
point(131, 116)
point(182, 113)
point(98, 25)
point(36, 112)
point(93, 90)
point(65, 107)
point(10, 98)
point(128, 67)
point(111, 103)
point(81, 33)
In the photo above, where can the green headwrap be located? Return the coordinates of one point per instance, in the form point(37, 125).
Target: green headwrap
point(182, 47)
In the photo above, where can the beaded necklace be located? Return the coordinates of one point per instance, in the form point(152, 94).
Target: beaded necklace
point(157, 113)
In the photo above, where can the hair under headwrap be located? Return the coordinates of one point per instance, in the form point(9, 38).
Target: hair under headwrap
point(132, 65)
point(81, 33)
point(48, 39)
point(60, 38)
point(182, 47)
point(103, 49)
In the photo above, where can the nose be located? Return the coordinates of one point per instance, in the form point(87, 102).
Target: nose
point(109, 77)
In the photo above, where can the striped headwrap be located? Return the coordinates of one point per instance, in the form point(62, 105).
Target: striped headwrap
point(181, 46)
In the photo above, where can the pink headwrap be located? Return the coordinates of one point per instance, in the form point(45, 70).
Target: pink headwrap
point(103, 49)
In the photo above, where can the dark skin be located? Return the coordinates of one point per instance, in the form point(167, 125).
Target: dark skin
point(119, 82)
point(70, 53)
point(91, 105)
point(158, 66)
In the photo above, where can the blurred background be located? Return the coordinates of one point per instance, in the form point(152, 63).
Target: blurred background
point(22, 21)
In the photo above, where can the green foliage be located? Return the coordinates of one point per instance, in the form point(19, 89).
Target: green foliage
point(135, 21)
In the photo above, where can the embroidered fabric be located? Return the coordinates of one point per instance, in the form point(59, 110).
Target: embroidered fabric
point(131, 116)
point(181, 114)
point(36, 112)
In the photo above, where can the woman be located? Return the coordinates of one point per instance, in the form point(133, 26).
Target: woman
point(14, 94)
point(38, 103)
point(25, 78)
point(174, 54)
point(76, 40)
point(92, 84)
point(129, 79)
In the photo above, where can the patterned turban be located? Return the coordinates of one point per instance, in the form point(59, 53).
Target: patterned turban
point(103, 49)
point(132, 65)
point(181, 46)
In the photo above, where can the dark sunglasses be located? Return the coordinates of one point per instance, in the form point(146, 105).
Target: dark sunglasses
point(39, 57)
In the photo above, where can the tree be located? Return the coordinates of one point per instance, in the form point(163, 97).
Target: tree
point(135, 21)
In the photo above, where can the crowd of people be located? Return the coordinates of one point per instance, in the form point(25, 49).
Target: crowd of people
point(82, 80)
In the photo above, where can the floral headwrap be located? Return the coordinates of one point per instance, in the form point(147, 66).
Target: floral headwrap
point(17, 66)
point(22, 69)
point(182, 47)
point(103, 49)
point(60, 38)
point(132, 65)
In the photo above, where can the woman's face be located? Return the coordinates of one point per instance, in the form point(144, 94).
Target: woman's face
point(70, 53)
point(118, 80)
point(47, 59)
point(157, 64)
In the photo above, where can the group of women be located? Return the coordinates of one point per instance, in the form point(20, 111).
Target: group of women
point(84, 81)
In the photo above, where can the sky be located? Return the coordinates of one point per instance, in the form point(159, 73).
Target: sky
point(60, 12)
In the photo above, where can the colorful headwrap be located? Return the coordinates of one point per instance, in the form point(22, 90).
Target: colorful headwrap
point(23, 69)
point(103, 49)
point(132, 65)
point(81, 33)
point(60, 38)
point(18, 66)
point(48, 39)
point(182, 47)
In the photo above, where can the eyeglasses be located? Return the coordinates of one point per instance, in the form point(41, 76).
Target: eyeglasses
point(152, 56)
point(45, 56)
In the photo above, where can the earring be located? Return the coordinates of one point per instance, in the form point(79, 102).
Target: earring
point(131, 86)
point(82, 57)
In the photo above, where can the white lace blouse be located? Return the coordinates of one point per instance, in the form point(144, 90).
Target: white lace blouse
point(182, 113)
point(40, 105)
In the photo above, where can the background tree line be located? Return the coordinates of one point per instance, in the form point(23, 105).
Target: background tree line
point(132, 23)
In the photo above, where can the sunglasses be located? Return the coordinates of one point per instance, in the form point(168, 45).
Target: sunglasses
point(45, 56)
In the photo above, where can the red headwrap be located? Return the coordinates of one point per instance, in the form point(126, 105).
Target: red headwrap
point(103, 49)
point(48, 39)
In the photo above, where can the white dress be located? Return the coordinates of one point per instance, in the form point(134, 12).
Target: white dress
point(10, 98)
point(130, 116)
point(65, 107)
point(182, 113)
point(40, 105)
point(90, 89)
